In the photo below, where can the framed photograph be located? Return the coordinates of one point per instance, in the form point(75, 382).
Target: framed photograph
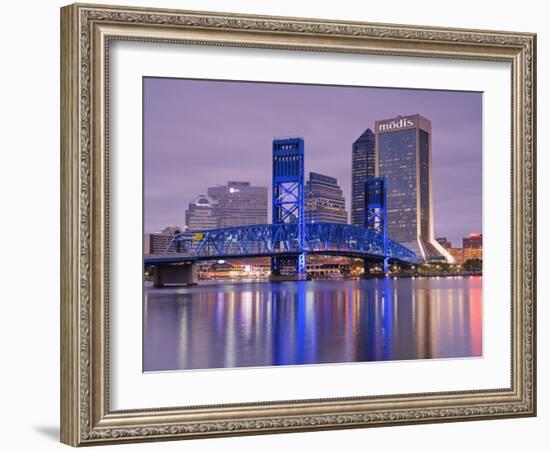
point(277, 224)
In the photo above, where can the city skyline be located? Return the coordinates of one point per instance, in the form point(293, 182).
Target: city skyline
point(191, 123)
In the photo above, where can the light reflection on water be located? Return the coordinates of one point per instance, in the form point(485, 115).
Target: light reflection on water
point(311, 322)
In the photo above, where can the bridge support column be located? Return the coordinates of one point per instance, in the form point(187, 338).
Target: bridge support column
point(288, 207)
point(175, 275)
point(289, 268)
point(383, 267)
point(375, 212)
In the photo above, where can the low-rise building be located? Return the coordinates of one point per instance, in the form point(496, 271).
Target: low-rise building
point(158, 242)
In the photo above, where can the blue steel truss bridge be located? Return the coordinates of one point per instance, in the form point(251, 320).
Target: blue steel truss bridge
point(270, 240)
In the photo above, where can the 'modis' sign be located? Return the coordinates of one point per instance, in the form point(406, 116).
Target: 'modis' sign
point(396, 124)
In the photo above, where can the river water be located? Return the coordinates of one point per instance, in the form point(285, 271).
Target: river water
point(311, 322)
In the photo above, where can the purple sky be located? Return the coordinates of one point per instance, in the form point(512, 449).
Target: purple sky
point(203, 133)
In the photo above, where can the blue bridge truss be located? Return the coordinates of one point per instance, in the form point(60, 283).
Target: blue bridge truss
point(290, 238)
point(283, 239)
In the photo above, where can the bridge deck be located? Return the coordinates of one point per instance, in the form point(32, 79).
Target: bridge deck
point(254, 241)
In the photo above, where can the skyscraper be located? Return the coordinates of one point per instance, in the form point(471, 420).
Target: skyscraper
point(324, 200)
point(362, 166)
point(403, 158)
point(240, 203)
point(202, 214)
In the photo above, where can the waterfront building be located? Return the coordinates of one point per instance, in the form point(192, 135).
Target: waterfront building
point(324, 200)
point(403, 157)
point(461, 255)
point(457, 254)
point(240, 203)
point(472, 253)
point(203, 213)
point(472, 248)
point(474, 240)
point(158, 242)
point(362, 167)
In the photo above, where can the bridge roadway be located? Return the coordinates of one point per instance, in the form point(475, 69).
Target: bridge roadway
point(274, 240)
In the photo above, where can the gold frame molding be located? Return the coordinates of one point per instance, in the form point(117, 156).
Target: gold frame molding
point(86, 31)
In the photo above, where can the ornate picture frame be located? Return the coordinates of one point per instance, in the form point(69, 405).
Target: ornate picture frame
point(87, 32)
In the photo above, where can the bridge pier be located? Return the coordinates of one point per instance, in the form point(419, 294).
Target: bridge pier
point(288, 208)
point(289, 268)
point(382, 264)
point(175, 275)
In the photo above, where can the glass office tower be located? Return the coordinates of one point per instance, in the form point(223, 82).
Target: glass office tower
point(403, 157)
point(362, 167)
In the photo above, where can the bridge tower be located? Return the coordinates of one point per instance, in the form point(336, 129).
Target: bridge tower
point(288, 203)
point(375, 211)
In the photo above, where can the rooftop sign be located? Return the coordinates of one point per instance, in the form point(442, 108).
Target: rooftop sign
point(396, 124)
